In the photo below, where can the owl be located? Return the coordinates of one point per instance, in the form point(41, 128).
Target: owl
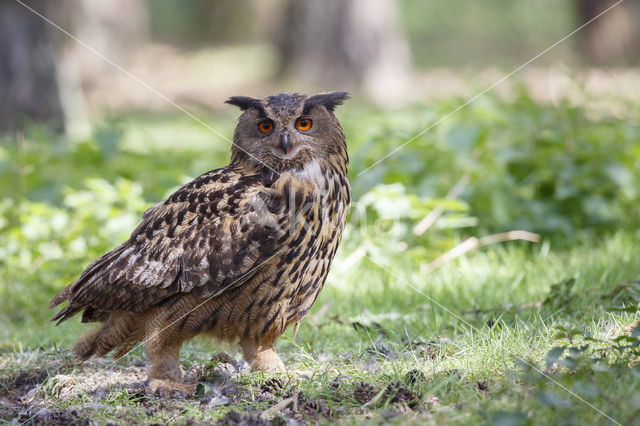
point(239, 253)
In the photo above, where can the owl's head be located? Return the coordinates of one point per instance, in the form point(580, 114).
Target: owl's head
point(287, 131)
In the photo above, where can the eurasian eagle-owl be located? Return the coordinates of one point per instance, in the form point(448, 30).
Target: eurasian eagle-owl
point(239, 253)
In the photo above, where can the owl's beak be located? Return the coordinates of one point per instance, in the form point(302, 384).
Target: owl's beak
point(284, 141)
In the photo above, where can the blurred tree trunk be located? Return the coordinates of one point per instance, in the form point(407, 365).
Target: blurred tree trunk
point(28, 76)
point(614, 38)
point(43, 73)
point(344, 44)
point(117, 30)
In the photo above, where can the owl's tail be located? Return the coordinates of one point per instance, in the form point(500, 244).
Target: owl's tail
point(120, 332)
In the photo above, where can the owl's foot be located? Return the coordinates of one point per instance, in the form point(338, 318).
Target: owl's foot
point(163, 387)
point(262, 357)
point(165, 377)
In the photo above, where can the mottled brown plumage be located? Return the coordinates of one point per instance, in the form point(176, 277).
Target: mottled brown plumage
point(239, 253)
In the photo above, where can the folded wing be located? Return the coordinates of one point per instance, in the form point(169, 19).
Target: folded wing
point(206, 238)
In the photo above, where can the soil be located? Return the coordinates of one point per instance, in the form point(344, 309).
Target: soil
point(57, 391)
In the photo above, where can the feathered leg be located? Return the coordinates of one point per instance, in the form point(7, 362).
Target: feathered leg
point(164, 370)
point(120, 332)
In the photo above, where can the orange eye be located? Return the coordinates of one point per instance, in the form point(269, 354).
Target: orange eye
point(304, 124)
point(265, 126)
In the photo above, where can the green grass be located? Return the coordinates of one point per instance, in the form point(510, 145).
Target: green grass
point(374, 328)
point(493, 337)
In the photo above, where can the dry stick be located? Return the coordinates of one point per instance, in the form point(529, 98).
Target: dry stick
point(352, 259)
point(473, 243)
point(419, 229)
point(269, 413)
point(272, 411)
point(422, 226)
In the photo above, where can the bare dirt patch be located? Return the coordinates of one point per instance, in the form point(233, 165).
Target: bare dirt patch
point(52, 389)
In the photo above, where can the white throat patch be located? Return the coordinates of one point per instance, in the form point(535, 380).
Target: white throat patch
point(312, 172)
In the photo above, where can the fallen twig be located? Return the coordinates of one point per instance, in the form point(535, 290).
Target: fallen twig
point(352, 259)
point(426, 222)
point(269, 413)
point(473, 243)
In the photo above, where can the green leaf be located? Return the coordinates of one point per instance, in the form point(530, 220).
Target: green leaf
point(553, 400)
point(200, 390)
point(630, 309)
point(508, 418)
point(554, 355)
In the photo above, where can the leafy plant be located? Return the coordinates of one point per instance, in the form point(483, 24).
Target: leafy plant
point(553, 169)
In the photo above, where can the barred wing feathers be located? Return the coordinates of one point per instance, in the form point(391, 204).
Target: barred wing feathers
point(212, 234)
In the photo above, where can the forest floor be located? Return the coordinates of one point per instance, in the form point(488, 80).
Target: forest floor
point(512, 333)
point(549, 337)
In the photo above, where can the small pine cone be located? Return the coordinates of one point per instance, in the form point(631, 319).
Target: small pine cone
point(414, 377)
point(274, 385)
point(400, 394)
point(483, 386)
point(317, 407)
point(337, 382)
point(264, 396)
point(364, 392)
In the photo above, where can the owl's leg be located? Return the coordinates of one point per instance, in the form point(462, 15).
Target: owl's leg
point(262, 357)
point(165, 375)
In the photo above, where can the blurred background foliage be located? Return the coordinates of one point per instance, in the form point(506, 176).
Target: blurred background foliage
point(554, 150)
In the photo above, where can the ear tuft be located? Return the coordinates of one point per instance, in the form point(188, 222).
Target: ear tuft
point(244, 102)
point(328, 100)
